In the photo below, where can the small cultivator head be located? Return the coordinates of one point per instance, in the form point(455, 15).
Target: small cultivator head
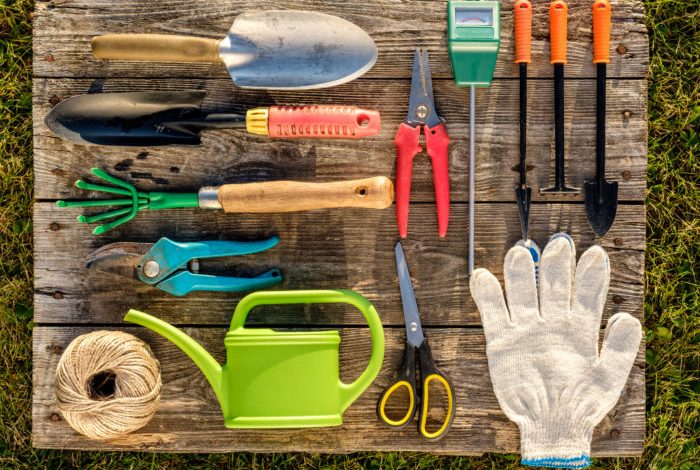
point(133, 199)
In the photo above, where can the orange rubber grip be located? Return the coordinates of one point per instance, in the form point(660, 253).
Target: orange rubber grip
point(523, 31)
point(324, 122)
point(557, 31)
point(601, 31)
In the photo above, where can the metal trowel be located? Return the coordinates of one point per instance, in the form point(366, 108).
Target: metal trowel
point(276, 49)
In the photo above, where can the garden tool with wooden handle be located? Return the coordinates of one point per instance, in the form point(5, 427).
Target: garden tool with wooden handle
point(274, 196)
point(270, 49)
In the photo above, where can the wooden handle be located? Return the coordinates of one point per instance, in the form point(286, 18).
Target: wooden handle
point(155, 48)
point(558, 12)
point(293, 196)
point(601, 31)
point(523, 31)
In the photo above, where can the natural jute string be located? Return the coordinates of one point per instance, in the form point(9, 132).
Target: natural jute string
point(107, 384)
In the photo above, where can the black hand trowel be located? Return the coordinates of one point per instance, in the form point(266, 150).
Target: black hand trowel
point(601, 195)
point(175, 118)
point(136, 119)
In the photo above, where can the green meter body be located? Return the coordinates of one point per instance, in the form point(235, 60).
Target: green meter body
point(474, 36)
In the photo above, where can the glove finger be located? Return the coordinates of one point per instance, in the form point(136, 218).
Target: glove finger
point(521, 285)
point(488, 296)
point(623, 335)
point(591, 289)
point(556, 275)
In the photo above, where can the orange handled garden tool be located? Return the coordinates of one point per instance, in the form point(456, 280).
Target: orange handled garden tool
point(558, 12)
point(601, 195)
point(523, 40)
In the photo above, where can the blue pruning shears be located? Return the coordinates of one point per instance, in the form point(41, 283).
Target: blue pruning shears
point(174, 267)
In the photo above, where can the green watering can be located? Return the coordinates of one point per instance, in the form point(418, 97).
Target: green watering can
point(275, 379)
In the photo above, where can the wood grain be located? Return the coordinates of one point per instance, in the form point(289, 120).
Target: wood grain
point(189, 418)
point(328, 249)
point(64, 28)
point(338, 248)
point(294, 196)
point(234, 156)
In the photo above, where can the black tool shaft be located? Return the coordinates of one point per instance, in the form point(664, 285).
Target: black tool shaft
point(523, 124)
point(600, 128)
point(559, 175)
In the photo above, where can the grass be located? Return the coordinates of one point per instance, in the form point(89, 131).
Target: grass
point(671, 304)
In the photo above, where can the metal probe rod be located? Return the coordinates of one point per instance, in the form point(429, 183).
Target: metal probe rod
point(472, 125)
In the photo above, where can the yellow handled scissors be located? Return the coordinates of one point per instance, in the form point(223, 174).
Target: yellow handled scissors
point(419, 397)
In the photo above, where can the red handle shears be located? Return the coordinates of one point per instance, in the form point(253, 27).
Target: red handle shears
point(422, 115)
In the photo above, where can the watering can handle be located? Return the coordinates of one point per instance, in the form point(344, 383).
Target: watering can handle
point(349, 392)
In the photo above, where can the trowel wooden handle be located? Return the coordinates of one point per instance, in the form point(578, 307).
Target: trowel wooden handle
point(155, 48)
point(293, 196)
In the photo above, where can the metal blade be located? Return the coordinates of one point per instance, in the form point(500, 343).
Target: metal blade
point(524, 198)
point(414, 331)
point(421, 106)
point(601, 205)
point(122, 258)
point(295, 50)
point(126, 119)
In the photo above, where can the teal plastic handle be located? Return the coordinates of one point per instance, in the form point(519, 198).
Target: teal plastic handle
point(185, 282)
point(171, 255)
point(349, 392)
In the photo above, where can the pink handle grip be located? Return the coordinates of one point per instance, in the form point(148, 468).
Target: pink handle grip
point(324, 122)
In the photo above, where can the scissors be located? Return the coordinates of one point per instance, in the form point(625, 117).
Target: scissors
point(418, 393)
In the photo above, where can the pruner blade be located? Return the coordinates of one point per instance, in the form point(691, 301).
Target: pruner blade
point(121, 258)
point(421, 105)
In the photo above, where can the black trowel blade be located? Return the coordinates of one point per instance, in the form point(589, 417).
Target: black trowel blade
point(126, 119)
point(601, 206)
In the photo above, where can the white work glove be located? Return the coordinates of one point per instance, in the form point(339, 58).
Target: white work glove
point(543, 356)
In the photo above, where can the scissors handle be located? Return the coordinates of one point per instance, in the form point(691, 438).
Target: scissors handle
point(406, 378)
point(430, 375)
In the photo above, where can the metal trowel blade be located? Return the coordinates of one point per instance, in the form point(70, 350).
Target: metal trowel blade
point(295, 50)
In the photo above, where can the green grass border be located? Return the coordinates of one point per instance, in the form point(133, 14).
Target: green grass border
point(671, 303)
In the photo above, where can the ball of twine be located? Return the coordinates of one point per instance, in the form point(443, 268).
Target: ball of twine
point(107, 384)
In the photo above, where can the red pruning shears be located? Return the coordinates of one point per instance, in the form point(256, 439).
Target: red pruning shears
point(422, 115)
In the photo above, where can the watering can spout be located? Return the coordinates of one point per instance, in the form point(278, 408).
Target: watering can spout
point(208, 365)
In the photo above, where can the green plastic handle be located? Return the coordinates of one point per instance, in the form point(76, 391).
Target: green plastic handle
point(349, 392)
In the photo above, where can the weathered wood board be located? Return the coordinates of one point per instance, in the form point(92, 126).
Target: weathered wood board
point(190, 419)
point(350, 249)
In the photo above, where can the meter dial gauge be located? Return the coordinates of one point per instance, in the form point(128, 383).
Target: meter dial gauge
point(474, 16)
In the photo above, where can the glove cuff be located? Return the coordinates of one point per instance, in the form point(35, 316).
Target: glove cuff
point(556, 444)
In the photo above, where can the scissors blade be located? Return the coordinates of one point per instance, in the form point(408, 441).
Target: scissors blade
point(414, 331)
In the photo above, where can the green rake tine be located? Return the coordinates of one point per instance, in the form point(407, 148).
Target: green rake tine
point(100, 203)
point(104, 189)
point(134, 199)
point(91, 219)
point(100, 229)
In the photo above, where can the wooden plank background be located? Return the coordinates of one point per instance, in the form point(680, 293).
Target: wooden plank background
point(332, 248)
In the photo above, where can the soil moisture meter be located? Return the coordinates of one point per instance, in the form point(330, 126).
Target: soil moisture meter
point(474, 38)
